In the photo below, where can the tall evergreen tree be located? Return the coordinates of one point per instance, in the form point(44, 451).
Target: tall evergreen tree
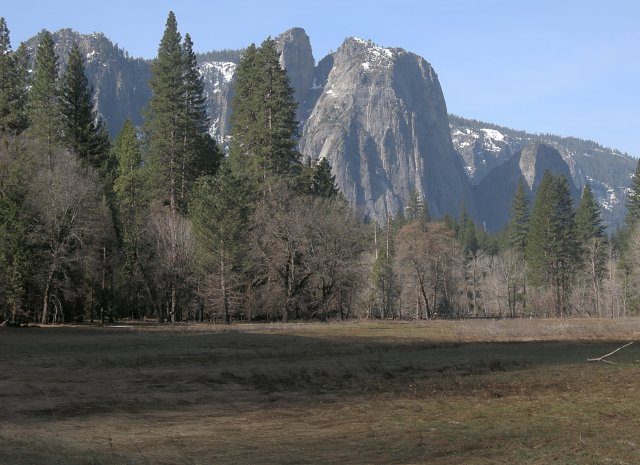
point(83, 134)
point(176, 127)
point(43, 107)
point(164, 118)
point(467, 232)
point(200, 153)
point(588, 219)
point(519, 224)
point(590, 232)
point(263, 123)
point(633, 200)
point(130, 205)
point(552, 249)
point(517, 239)
point(417, 209)
point(220, 213)
point(128, 185)
point(179, 150)
point(12, 85)
point(15, 252)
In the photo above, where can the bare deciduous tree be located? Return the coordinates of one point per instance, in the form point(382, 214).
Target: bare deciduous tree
point(173, 239)
point(70, 217)
point(429, 262)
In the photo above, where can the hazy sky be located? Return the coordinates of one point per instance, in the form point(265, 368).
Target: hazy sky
point(568, 67)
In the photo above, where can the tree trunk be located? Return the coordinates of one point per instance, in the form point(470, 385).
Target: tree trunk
point(426, 301)
point(45, 302)
point(223, 288)
point(173, 303)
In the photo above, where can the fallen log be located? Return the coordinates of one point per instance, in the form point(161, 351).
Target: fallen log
point(603, 358)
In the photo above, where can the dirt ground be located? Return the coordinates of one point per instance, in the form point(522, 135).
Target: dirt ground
point(444, 392)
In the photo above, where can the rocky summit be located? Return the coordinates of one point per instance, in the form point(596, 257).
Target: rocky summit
point(381, 121)
point(494, 193)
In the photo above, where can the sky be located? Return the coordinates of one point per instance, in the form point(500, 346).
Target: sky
point(565, 67)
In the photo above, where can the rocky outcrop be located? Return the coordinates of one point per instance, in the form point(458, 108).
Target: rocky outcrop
point(494, 193)
point(296, 58)
point(120, 82)
point(381, 121)
point(219, 82)
point(482, 150)
point(484, 146)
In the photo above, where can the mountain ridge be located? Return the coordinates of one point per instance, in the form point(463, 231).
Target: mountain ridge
point(444, 171)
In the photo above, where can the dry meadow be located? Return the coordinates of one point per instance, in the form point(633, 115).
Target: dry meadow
point(441, 392)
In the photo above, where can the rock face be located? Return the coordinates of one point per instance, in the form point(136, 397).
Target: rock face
point(121, 83)
point(381, 121)
point(296, 57)
point(219, 90)
point(484, 146)
point(495, 192)
point(482, 150)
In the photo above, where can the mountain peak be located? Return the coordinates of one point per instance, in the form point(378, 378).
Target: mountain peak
point(296, 57)
point(381, 121)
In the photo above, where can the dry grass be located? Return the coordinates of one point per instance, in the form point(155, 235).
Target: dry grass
point(446, 392)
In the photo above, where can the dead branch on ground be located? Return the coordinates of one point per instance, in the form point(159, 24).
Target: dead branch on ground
point(603, 358)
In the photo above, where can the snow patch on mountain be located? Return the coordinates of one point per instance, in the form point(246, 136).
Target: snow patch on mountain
point(218, 73)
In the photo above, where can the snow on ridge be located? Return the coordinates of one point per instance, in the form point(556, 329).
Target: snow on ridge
point(493, 134)
point(226, 69)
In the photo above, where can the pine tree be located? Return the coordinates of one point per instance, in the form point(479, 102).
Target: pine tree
point(588, 220)
point(417, 209)
point(220, 213)
point(180, 148)
point(552, 246)
point(164, 119)
point(200, 153)
point(130, 208)
point(519, 224)
point(323, 183)
point(12, 85)
point(590, 232)
point(467, 232)
point(517, 239)
point(633, 200)
point(15, 253)
point(43, 106)
point(128, 185)
point(83, 134)
point(263, 123)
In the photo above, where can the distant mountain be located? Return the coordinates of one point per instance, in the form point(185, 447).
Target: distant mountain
point(379, 116)
point(484, 146)
point(494, 193)
point(120, 82)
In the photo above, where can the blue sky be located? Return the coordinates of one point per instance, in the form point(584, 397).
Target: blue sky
point(567, 67)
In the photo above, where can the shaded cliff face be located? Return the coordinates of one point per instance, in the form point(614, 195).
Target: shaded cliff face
point(484, 146)
point(482, 150)
point(296, 57)
point(381, 121)
point(120, 83)
point(219, 88)
point(219, 78)
point(494, 193)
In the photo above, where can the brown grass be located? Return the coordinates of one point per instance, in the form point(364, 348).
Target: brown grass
point(445, 392)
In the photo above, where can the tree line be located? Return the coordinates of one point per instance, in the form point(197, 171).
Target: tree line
point(160, 224)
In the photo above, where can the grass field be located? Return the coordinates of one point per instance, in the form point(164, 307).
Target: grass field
point(443, 392)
